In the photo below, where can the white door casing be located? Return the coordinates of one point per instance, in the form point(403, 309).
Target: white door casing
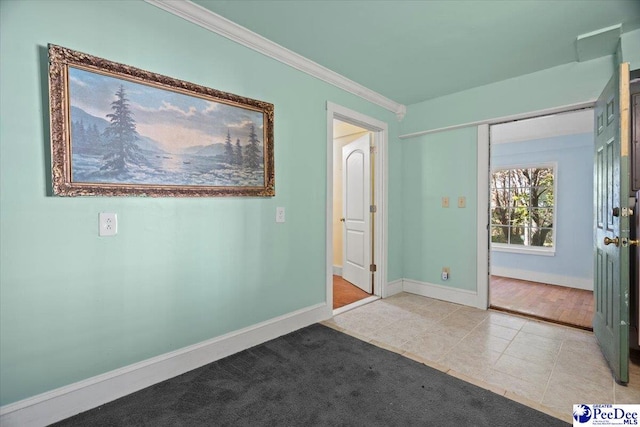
point(356, 193)
point(380, 180)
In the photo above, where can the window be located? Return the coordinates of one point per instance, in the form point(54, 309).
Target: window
point(522, 209)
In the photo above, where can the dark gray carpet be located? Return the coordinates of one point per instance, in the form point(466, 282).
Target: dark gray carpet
point(315, 376)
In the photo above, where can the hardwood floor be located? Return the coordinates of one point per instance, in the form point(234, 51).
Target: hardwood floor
point(558, 304)
point(345, 293)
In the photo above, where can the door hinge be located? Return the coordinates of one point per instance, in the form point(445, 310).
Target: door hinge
point(372, 149)
point(373, 209)
point(373, 268)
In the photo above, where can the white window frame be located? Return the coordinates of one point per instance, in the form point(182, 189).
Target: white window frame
point(521, 249)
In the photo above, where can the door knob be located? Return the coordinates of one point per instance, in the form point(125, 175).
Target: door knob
point(628, 242)
point(608, 241)
point(341, 219)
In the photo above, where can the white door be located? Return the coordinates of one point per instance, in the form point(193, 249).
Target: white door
point(356, 193)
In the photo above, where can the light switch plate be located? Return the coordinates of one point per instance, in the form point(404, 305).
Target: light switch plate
point(108, 224)
point(280, 215)
point(445, 202)
point(462, 202)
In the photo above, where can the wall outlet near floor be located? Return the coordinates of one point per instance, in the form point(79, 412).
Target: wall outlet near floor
point(445, 273)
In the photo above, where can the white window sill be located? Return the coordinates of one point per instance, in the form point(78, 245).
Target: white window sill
point(527, 250)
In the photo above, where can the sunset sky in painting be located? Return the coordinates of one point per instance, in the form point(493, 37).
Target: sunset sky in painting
point(176, 121)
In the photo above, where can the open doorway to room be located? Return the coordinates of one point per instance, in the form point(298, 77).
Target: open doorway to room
point(541, 202)
point(352, 220)
point(356, 225)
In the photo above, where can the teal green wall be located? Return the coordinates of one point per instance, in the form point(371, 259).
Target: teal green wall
point(180, 271)
point(631, 49)
point(554, 87)
point(435, 166)
point(445, 163)
point(567, 84)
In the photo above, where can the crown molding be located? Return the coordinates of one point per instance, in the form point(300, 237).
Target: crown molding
point(213, 22)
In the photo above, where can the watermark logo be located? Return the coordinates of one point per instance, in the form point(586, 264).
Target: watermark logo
point(581, 413)
point(606, 415)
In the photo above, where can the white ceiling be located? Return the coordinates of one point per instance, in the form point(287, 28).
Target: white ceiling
point(570, 123)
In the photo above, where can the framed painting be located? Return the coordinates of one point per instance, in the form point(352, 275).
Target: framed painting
point(117, 130)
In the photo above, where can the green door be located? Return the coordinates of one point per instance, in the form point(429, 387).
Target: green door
point(611, 220)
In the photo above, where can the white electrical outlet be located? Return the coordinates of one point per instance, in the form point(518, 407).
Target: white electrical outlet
point(108, 224)
point(280, 215)
point(445, 273)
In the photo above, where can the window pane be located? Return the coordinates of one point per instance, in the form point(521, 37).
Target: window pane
point(499, 189)
point(520, 197)
point(500, 179)
point(500, 216)
point(499, 234)
point(538, 236)
point(517, 178)
point(541, 237)
point(542, 217)
point(518, 216)
point(542, 177)
point(542, 196)
point(499, 198)
point(517, 236)
point(522, 203)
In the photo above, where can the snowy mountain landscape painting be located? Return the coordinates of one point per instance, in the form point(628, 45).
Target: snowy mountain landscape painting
point(135, 132)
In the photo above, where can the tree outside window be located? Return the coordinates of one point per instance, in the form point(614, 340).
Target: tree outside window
point(522, 204)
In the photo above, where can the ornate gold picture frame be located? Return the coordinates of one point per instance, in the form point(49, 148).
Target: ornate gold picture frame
point(117, 130)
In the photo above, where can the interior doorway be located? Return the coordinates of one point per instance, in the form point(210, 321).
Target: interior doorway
point(541, 210)
point(356, 226)
point(353, 169)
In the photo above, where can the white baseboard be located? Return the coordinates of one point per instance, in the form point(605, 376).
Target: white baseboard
point(337, 270)
point(542, 277)
point(444, 293)
point(64, 402)
point(393, 288)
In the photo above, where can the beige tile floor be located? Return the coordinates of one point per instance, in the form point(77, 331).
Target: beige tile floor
point(542, 365)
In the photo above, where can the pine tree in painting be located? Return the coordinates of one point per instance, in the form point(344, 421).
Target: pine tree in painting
point(252, 155)
point(93, 135)
point(78, 133)
point(121, 136)
point(228, 149)
point(237, 159)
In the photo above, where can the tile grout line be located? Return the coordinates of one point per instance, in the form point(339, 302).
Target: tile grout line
point(460, 340)
point(555, 363)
